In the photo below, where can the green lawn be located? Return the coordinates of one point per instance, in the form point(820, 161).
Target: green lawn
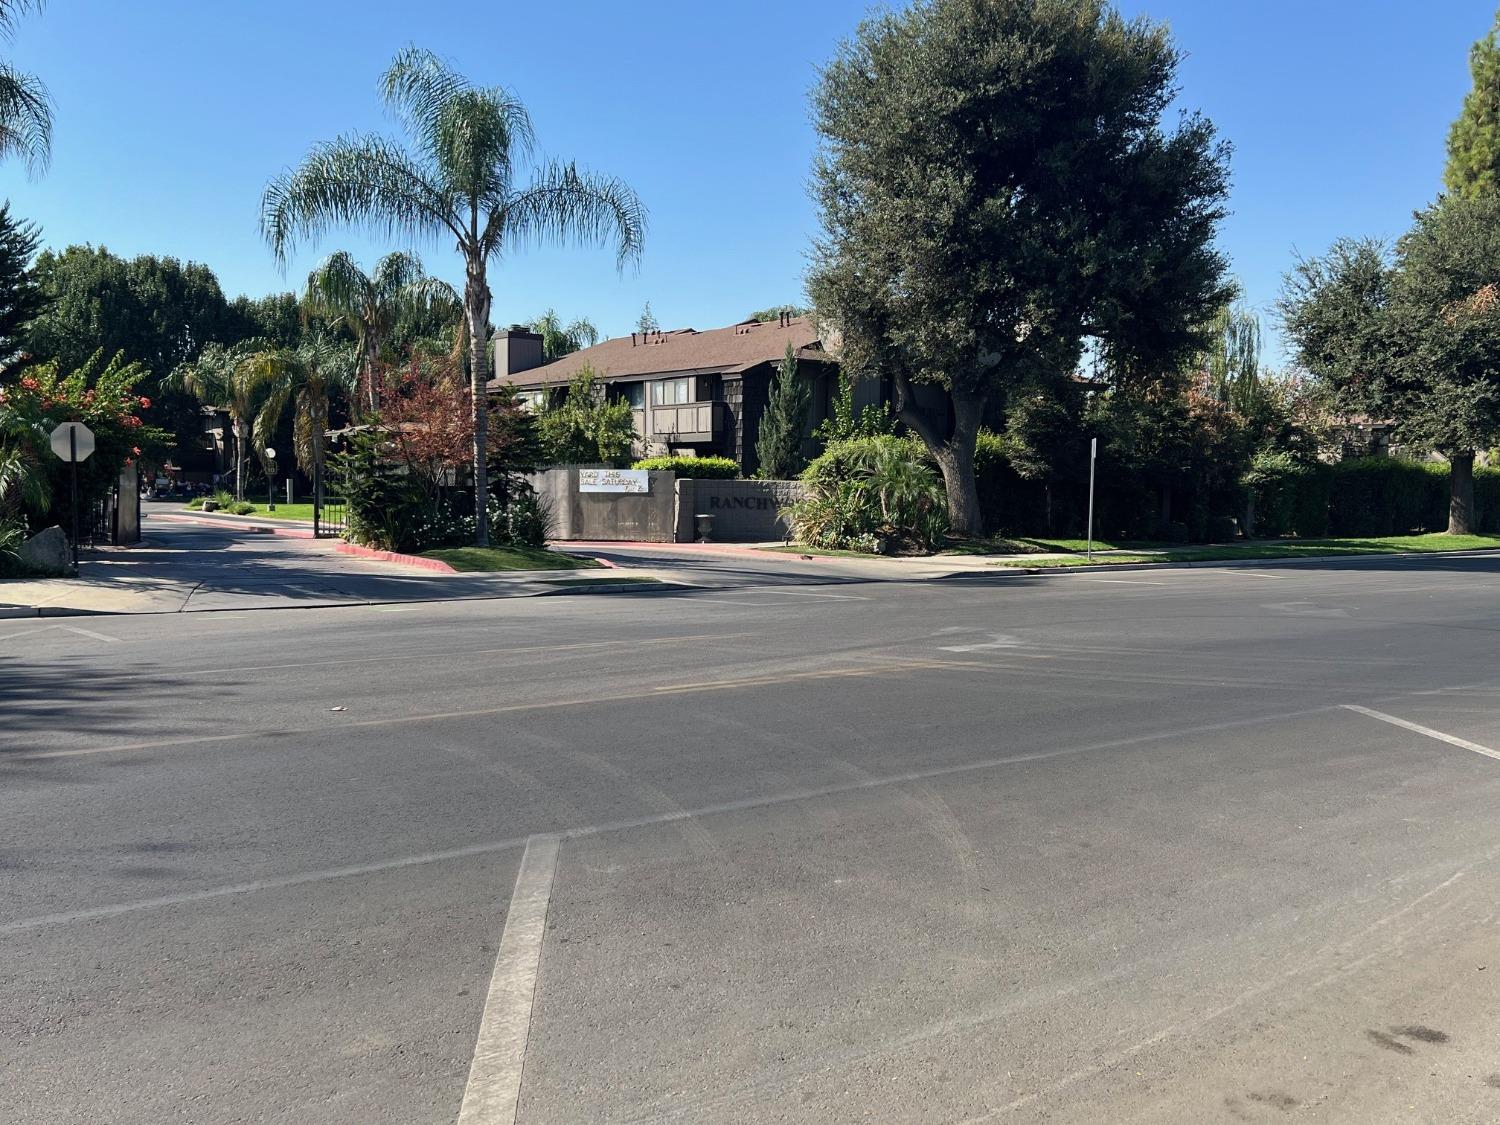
point(507, 558)
point(1292, 549)
point(1024, 545)
point(282, 512)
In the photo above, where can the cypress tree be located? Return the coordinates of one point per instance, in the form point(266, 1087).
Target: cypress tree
point(779, 447)
point(1474, 140)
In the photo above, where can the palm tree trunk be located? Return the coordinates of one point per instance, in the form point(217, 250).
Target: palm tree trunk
point(372, 352)
point(477, 316)
point(239, 459)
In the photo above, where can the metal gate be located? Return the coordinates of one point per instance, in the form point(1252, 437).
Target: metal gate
point(330, 517)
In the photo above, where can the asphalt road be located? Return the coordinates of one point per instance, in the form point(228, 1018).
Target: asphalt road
point(1066, 848)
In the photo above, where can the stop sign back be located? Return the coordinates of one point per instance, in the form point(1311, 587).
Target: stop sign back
point(71, 437)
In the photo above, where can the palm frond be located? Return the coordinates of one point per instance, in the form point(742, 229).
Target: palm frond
point(12, 10)
point(337, 289)
point(363, 181)
point(421, 89)
point(395, 272)
point(563, 204)
point(25, 118)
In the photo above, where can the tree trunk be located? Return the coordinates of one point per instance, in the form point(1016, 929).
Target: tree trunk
point(1248, 528)
point(1047, 494)
point(372, 353)
point(239, 460)
point(477, 316)
point(953, 450)
point(1461, 494)
point(955, 458)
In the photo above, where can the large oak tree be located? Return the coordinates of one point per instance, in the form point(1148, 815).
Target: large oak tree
point(998, 193)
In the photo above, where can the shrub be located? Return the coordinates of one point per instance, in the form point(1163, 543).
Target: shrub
point(1221, 529)
point(699, 468)
point(1387, 496)
point(241, 508)
point(195, 503)
point(585, 427)
point(877, 494)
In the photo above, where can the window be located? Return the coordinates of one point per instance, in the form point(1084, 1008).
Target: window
point(531, 400)
point(671, 392)
point(635, 394)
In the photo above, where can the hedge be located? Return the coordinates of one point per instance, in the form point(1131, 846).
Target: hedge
point(701, 468)
point(1371, 496)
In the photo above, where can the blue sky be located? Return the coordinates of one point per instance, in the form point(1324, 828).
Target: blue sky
point(172, 115)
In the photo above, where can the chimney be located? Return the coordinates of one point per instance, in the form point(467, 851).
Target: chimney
point(517, 349)
point(632, 339)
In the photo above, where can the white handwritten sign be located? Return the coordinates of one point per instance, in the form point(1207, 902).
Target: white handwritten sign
point(614, 480)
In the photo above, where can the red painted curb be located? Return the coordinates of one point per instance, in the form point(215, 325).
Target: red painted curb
point(395, 557)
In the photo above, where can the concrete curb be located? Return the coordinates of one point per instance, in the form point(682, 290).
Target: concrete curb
point(997, 569)
point(394, 557)
point(610, 588)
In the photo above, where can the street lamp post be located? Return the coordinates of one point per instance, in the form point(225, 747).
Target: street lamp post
point(271, 480)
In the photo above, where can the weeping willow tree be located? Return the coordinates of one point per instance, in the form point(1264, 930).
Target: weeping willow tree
point(372, 305)
point(1232, 362)
point(25, 106)
point(464, 178)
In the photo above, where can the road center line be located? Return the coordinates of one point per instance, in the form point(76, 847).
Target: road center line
point(90, 634)
point(1451, 739)
point(494, 1088)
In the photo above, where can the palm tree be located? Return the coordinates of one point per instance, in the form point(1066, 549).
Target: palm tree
point(460, 181)
point(307, 377)
point(373, 305)
point(559, 339)
point(25, 106)
point(225, 379)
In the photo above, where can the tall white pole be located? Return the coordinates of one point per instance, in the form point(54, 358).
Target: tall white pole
point(1093, 456)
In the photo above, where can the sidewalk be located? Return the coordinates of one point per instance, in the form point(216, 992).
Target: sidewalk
point(187, 566)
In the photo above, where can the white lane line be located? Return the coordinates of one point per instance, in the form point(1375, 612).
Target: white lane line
point(1451, 739)
point(1255, 574)
point(841, 597)
point(494, 1089)
point(1129, 581)
point(649, 820)
point(90, 634)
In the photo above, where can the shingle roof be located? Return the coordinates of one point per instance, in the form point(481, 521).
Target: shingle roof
point(720, 350)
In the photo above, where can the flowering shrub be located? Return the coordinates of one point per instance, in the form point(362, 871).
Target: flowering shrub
point(101, 396)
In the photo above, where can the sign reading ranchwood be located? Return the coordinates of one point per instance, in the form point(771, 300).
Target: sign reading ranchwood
point(613, 480)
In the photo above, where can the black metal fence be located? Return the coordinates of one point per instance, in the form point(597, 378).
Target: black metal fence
point(330, 518)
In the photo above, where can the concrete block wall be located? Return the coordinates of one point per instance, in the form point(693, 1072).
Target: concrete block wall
point(745, 510)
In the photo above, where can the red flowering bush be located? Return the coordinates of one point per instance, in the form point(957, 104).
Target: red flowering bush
point(102, 397)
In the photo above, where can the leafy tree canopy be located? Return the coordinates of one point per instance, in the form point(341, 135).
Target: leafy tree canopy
point(996, 187)
point(21, 298)
point(1412, 337)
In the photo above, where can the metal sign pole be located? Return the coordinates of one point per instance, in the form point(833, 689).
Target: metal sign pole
point(1093, 456)
point(73, 464)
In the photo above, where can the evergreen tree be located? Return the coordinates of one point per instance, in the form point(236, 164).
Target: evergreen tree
point(1001, 183)
point(21, 298)
point(1474, 140)
point(779, 447)
point(647, 322)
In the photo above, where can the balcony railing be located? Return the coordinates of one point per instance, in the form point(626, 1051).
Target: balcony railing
point(689, 422)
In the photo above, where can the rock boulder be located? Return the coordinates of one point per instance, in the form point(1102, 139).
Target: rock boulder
point(47, 551)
